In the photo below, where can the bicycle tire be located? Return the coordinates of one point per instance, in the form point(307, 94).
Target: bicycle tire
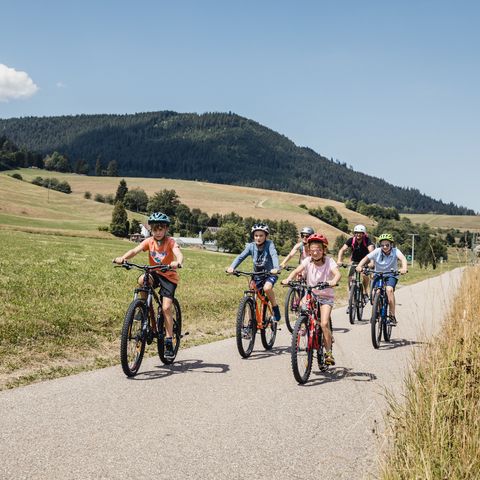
point(376, 320)
point(177, 334)
point(387, 328)
point(360, 303)
point(292, 306)
point(352, 310)
point(321, 351)
point(246, 327)
point(269, 331)
point(132, 343)
point(302, 355)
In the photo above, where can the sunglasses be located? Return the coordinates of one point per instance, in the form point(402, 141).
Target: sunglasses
point(304, 235)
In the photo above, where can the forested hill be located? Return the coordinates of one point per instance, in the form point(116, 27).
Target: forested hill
point(214, 147)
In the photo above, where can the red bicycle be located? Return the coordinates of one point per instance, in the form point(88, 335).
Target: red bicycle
point(254, 313)
point(307, 336)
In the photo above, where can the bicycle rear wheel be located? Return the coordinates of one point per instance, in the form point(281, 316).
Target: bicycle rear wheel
point(177, 334)
point(269, 331)
point(132, 343)
point(321, 350)
point(246, 327)
point(352, 308)
point(292, 306)
point(376, 320)
point(302, 353)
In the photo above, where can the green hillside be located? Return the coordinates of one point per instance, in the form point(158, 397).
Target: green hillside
point(215, 147)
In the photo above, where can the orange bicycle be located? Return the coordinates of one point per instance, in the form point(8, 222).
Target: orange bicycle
point(254, 313)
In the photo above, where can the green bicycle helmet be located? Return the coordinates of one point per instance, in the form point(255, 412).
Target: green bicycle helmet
point(386, 236)
point(158, 217)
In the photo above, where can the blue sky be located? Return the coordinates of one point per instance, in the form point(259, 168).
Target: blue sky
point(391, 88)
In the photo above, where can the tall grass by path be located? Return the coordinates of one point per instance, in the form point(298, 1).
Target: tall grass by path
point(435, 429)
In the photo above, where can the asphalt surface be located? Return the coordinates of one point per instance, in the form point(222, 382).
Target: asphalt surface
point(213, 415)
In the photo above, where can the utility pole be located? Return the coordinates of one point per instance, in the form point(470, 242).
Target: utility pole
point(413, 245)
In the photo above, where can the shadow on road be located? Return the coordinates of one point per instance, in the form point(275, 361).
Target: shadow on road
point(400, 342)
point(335, 374)
point(182, 366)
point(274, 352)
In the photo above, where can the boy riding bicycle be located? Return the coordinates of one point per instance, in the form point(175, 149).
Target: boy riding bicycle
point(163, 250)
point(319, 268)
point(386, 259)
point(265, 258)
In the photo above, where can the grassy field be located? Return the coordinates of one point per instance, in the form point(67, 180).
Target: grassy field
point(209, 197)
point(435, 429)
point(462, 222)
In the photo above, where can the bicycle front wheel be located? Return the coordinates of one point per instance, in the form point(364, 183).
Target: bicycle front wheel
point(177, 334)
point(352, 308)
point(269, 331)
point(360, 302)
point(376, 320)
point(246, 327)
point(387, 329)
point(302, 353)
point(132, 344)
point(292, 306)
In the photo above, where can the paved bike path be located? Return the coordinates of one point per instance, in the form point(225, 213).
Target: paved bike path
point(213, 415)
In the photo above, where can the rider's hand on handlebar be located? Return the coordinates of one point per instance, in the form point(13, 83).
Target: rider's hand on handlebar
point(275, 271)
point(403, 271)
point(358, 268)
point(229, 270)
point(118, 260)
point(285, 281)
point(175, 264)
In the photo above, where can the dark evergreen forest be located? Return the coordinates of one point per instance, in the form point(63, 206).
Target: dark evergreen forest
point(214, 147)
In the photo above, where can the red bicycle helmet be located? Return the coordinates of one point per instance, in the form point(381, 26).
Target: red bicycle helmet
point(318, 237)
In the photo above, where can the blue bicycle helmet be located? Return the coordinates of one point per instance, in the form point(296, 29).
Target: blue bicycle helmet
point(158, 217)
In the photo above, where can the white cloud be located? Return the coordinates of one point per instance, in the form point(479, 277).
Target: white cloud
point(15, 84)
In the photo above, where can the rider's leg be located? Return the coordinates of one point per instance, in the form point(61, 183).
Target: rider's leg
point(268, 289)
point(167, 314)
point(325, 311)
point(391, 299)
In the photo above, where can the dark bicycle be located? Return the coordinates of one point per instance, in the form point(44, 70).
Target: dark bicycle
point(144, 322)
point(356, 295)
point(292, 304)
point(380, 320)
point(307, 336)
point(254, 313)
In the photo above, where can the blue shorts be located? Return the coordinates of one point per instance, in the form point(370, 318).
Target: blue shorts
point(260, 281)
point(389, 281)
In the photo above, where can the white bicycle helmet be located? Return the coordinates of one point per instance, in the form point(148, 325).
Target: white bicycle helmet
point(360, 229)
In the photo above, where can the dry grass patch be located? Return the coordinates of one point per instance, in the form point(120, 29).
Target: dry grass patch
point(436, 428)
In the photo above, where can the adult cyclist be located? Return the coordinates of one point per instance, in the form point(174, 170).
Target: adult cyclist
point(386, 259)
point(300, 247)
point(360, 246)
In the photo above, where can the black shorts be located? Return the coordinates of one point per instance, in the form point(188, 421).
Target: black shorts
point(167, 288)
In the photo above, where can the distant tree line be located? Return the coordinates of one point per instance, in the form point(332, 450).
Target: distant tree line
point(331, 216)
point(215, 147)
point(374, 211)
point(231, 232)
point(53, 184)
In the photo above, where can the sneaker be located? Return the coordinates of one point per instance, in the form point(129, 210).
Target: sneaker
point(393, 320)
point(169, 347)
point(329, 360)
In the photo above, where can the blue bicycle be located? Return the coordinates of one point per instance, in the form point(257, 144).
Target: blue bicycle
point(380, 320)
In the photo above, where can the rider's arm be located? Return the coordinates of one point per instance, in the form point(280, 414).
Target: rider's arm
point(336, 276)
point(178, 256)
point(240, 258)
point(292, 253)
point(274, 256)
point(131, 253)
point(403, 260)
point(340, 253)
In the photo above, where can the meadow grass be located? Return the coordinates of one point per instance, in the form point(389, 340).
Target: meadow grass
point(435, 428)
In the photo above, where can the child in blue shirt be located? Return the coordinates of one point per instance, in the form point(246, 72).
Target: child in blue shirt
point(265, 258)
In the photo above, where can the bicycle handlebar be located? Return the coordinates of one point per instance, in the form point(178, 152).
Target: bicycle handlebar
point(302, 284)
point(238, 273)
point(391, 272)
point(146, 268)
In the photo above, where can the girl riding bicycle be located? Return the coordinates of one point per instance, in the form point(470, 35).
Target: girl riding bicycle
point(386, 259)
point(301, 247)
point(265, 257)
point(163, 250)
point(316, 268)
